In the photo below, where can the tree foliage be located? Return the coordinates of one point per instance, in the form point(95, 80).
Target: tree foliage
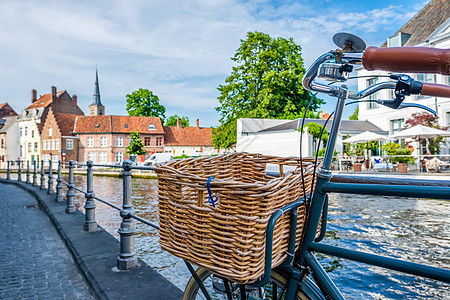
point(429, 120)
point(172, 121)
point(265, 83)
point(136, 146)
point(354, 116)
point(144, 103)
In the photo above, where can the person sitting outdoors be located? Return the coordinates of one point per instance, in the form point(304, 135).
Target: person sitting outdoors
point(432, 163)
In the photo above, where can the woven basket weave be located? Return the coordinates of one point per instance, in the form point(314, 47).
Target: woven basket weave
point(229, 239)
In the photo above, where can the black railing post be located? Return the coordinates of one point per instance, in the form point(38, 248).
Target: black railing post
point(127, 259)
point(28, 172)
point(59, 185)
point(89, 222)
point(50, 178)
point(8, 174)
point(34, 173)
point(42, 187)
point(19, 172)
point(70, 208)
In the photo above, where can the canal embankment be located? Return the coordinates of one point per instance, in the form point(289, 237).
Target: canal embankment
point(95, 255)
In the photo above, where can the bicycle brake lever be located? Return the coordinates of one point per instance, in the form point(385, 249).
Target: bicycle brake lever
point(415, 105)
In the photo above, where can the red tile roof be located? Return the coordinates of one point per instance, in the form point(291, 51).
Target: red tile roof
point(425, 22)
point(44, 100)
point(65, 123)
point(6, 110)
point(188, 136)
point(118, 124)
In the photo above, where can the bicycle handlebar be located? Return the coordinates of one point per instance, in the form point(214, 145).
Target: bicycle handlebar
point(435, 90)
point(407, 59)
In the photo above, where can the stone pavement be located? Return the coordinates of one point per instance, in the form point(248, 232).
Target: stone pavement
point(34, 261)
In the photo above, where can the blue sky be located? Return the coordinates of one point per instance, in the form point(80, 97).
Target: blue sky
point(178, 49)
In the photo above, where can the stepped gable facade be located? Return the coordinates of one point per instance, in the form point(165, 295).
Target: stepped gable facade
point(31, 120)
point(190, 141)
point(57, 139)
point(103, 139)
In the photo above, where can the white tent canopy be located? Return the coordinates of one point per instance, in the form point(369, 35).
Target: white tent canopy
point(419, 131)
point(365, 137)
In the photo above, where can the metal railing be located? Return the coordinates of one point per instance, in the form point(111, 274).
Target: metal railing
point(127, 258)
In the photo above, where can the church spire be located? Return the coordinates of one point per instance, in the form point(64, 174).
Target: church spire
point(96, 108)
point(96, 91)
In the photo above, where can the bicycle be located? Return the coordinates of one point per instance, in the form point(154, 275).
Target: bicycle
point(301, 276)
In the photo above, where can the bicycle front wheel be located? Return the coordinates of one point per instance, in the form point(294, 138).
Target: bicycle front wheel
point(275, 289)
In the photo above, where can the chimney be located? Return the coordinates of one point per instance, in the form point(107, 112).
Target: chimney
point(74, 99)
point(53, 93)
point(198, 123)
point(179, 124)
point(33, 95)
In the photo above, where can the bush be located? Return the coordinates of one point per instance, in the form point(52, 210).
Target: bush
point(406, 158)
point(181, 156)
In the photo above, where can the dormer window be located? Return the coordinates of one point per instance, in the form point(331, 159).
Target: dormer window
point(126, 125)
point(398, 40)
point(97, 125)
point(151, 127)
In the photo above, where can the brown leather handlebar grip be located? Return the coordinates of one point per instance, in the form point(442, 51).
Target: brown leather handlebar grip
point(435, 90)
point(407, 59)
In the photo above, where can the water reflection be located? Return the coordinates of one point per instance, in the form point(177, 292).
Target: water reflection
point(413, 229)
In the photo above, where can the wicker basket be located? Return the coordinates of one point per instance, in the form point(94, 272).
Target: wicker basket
point(229, 239)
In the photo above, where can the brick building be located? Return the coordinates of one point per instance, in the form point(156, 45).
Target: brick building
point(31, 120)
point(57, 140)
point(189, 140)
point(103, 139)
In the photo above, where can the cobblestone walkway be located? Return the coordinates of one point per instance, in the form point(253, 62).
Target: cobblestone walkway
point(34, 262)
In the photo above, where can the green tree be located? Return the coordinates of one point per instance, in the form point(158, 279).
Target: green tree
point(265, 83)
point(136, 146)
point(354, 116)
point(172, 121)
point(144, 103)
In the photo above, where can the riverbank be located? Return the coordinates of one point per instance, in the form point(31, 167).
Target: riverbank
point(95, 255)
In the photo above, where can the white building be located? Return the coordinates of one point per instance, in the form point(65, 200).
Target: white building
point(9, 139)
point(429, 28)
point(282, 138)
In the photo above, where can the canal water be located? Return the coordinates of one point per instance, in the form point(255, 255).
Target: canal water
point(417, 230)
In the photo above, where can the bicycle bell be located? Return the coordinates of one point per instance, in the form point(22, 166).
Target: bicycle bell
point(340, 71)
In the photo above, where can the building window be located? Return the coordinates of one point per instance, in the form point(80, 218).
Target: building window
point(103, 141)
point(29, 147)
point(448, 119)
point(55, 157)
point(91, 156)
point(151, 127)
point(159, 141)
point(398, 40)
point(57, 144)
point(53, 144)
point(147, 141)
point(3, 144)
point(32, 133)
point(35, 146)
point(90, 142)
point(119, 141)
point(50, 131)
point(119, 157)
point(397, 125)
point(44, 145)
point(425, 78)
point(20, 131)
point(69, 144)
point(102, 157)
point(375, 96)
point(26, 131)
